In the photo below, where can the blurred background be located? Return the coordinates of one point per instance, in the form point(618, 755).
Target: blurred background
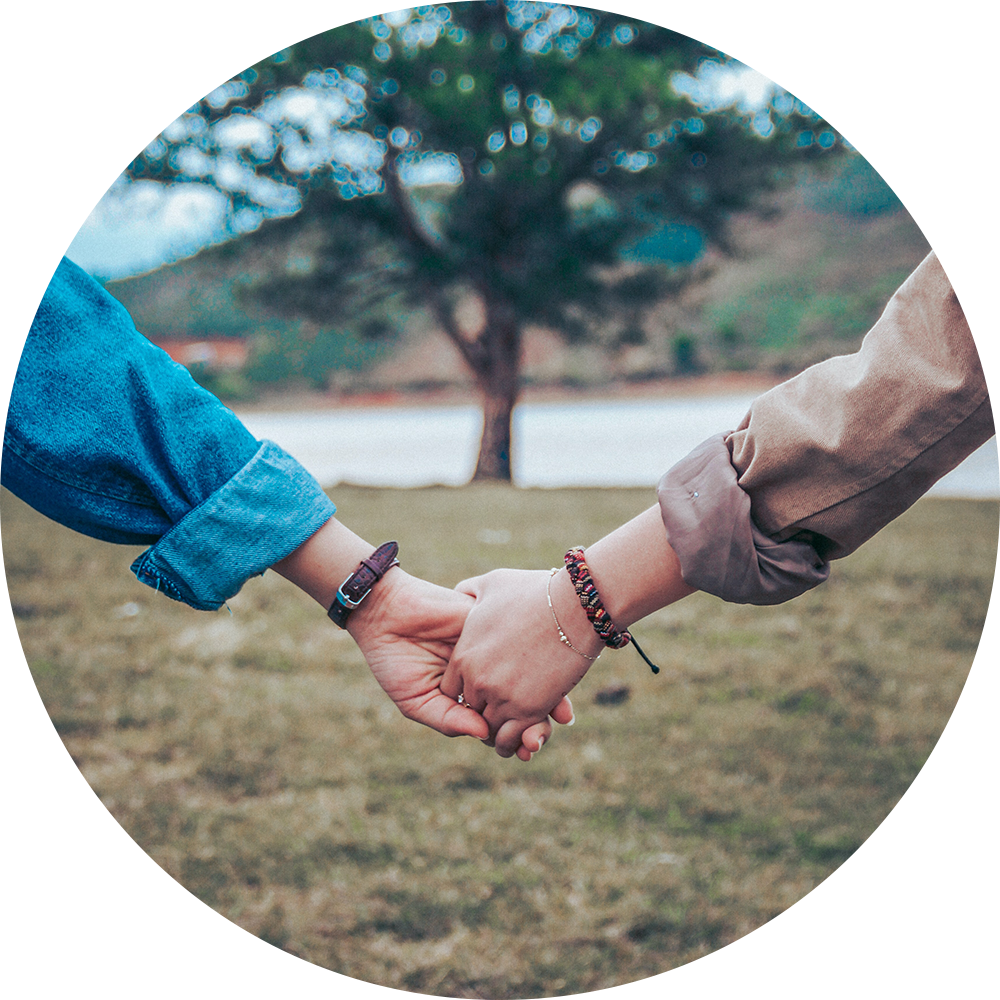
point(420, 244)
point(493, 204)
point(801, 281)
point(942, 60)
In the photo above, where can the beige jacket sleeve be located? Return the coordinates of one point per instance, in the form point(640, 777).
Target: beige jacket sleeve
point(825, 460)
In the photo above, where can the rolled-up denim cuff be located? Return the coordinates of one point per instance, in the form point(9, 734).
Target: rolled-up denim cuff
point(269, 508)
point(720, 548)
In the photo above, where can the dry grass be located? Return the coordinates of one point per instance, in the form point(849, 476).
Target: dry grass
point(256, 760)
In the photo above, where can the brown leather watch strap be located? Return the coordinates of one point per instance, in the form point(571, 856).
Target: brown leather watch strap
point(358, 585)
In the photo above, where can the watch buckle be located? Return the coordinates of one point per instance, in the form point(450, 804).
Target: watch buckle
point(343, 599)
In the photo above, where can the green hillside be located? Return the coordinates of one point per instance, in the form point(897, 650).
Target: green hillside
point(802, 284)
point(206, 296)
point(877, 183)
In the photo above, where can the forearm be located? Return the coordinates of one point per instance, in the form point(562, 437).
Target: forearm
point(324, 560)
point(635, 569)
point(636, 572)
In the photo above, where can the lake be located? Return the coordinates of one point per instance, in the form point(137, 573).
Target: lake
point(591, 443)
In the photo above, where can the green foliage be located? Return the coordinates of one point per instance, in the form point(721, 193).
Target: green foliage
point(557, 132)
point(669, 243)
point(685, 352)
point(873, 184)
point(515, 151)
point(287, 355)
point(215, 295)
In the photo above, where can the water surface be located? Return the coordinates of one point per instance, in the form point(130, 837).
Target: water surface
point(591, 443)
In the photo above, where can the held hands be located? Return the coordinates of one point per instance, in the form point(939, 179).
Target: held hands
point(512, 663)
point(407, 630)
point(496, 642)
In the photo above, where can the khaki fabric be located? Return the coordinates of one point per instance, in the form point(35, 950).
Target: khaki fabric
point(720, 548)
point(825, 460)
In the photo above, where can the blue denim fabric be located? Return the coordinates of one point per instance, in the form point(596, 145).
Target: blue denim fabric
point(108, 436)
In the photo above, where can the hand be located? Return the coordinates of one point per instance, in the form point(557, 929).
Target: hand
point(407, 629)
point(510, 663)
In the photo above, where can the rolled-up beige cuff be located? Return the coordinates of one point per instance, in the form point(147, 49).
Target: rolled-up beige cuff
point(720, 549)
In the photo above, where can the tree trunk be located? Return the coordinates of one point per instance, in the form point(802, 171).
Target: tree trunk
point(494, 358)
point(499, 376)
point(494, 446)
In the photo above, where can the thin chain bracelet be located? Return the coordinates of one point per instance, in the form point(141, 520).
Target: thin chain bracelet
point(562, 635)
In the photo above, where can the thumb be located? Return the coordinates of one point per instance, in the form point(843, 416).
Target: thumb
point(469, 723)
point(563, 713)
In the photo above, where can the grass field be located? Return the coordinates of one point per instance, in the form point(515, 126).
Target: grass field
point(255, 759)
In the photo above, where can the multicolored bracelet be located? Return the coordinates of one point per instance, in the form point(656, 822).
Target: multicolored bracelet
point(594, 607)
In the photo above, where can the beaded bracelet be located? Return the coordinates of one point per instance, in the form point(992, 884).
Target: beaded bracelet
point(594, 607)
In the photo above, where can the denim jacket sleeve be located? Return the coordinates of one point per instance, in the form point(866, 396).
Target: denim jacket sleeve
point(108, 436)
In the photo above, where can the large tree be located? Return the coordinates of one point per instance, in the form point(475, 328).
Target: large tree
point(511, 152)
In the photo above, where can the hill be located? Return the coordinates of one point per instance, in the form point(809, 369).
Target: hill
point(802, 284)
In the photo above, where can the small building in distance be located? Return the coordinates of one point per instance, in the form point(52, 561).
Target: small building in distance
point(207, 354)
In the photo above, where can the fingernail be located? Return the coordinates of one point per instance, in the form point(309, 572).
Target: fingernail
point(541, 743)
point(572, 720)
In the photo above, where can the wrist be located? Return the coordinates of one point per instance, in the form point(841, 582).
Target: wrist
point(571, 617)
point(358, 584)
point(324, 560)
point(635, 570)
point(373, 611)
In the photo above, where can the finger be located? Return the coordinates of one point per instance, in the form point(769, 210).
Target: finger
point(508, 737)
point(446, 716)
point(563, 713)
point(452, 682)
point(534, 737)
point(490, 740)
point(471, 586)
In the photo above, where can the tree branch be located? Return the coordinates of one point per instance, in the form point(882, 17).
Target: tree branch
point(473, 352)
point(413, 228)
point(418, 235)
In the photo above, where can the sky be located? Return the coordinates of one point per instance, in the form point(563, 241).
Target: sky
point(944, 57)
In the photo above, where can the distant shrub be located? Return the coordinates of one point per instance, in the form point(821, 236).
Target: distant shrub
point(870, 184)
point(684, 348)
